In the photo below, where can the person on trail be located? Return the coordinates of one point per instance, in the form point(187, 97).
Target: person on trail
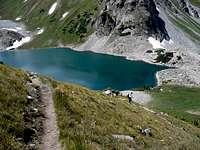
point(129, 98)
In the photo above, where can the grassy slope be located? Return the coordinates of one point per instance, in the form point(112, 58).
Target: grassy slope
point(71, 30)
point(12, 105)
point(176, 101)
point(87, 119)
point(195, 2)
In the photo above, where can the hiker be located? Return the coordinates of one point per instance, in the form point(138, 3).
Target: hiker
point(129, 98)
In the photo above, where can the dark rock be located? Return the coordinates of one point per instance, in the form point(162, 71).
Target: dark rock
point(149, 51)
point(42, 11)
point(179, 58)
point(28, 134)
point(196, 14)
point(183, 5)
point(106, 24)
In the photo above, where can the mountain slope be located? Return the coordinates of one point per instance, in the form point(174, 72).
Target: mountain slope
point(20, 116)
point(72, 28)
point(71, 22)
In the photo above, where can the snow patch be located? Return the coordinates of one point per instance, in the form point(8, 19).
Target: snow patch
point(40, 31)
point(64, 15)
point(18, 28)
point(25, 1)
point(10, 29)
point(53, 8)
point(157, 9)
point(18, 18)
point(164, 42)
point(17, 44)
point(157, 44)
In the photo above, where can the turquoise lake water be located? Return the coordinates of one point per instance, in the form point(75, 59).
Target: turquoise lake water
point(92, 70)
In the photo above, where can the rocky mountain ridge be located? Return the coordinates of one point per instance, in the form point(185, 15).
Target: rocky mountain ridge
point(131, 17)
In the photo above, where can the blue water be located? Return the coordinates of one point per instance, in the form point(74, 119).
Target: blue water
point(95, 71)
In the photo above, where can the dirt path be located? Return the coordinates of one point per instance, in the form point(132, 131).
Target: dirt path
point(140, 97)
point(50, 140)
point(194, 112)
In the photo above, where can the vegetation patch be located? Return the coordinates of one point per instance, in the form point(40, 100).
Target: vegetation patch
point(195, 2)
point(177, 101)
point(164, 57)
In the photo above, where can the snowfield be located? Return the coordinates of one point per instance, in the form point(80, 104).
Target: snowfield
point(53, 8)
point(64, 15)
point(157, 44)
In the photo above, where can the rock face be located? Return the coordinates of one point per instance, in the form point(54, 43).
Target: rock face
point(189, 9)
point(136, 17)
point(7, 38)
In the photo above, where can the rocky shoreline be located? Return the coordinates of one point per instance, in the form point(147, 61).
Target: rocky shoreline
point(184, 73)
point(184, 65)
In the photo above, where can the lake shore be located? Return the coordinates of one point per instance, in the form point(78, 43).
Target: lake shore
point(184, 73)
point(92, 70)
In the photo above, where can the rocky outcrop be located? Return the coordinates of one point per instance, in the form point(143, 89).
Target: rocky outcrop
point(136, 17)
point(188, 8)
point(8, 37)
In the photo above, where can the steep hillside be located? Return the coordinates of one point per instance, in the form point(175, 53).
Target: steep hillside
point(52, 22)
point(20, 111)
point(88, 119)
point(183, 15)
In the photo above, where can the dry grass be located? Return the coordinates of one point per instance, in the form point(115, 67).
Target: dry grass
point(12, 105)
point(17, 119)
